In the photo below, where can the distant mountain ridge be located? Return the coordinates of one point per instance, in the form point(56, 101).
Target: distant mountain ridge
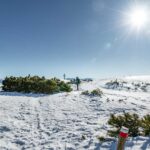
point(138, 77)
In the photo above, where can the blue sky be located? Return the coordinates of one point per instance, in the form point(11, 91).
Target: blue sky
point(82, 38)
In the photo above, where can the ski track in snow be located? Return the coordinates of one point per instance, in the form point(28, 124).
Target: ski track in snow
point(59, 121)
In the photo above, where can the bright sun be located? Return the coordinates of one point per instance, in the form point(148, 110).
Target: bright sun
point(137, 18)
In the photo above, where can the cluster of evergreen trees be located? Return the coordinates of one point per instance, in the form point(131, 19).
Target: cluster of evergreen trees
point(34, 84)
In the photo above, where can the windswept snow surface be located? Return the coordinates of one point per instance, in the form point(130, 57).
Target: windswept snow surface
point(68, 121)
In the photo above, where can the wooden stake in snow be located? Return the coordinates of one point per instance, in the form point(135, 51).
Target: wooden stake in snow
point(123, 135)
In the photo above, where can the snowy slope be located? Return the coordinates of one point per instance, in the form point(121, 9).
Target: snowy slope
point(59, 121)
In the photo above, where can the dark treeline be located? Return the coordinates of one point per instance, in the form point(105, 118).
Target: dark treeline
point(34, 84)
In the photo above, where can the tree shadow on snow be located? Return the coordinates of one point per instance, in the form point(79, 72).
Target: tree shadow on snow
point(130, 143)
point(110, 145)
point(2, 93)
point(146, 144)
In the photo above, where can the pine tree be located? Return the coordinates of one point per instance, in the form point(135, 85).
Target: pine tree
point(130, 121)
point(145, 124)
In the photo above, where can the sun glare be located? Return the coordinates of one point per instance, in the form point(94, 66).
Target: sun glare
point(137, 18)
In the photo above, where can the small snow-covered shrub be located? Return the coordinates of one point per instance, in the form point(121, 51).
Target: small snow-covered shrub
point(85, 93)
point(83, 137)
point(130, 121)
point(145, 124)
point(97, 92)
point(101, 138)
point(144, 88)
point(64, 87)
point(137, 85)
point(113, 84)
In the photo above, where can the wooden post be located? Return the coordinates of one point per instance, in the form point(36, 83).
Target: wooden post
point(123, 135)
point(64, 76)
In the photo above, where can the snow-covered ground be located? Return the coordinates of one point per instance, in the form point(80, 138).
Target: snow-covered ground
point(60, 121)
